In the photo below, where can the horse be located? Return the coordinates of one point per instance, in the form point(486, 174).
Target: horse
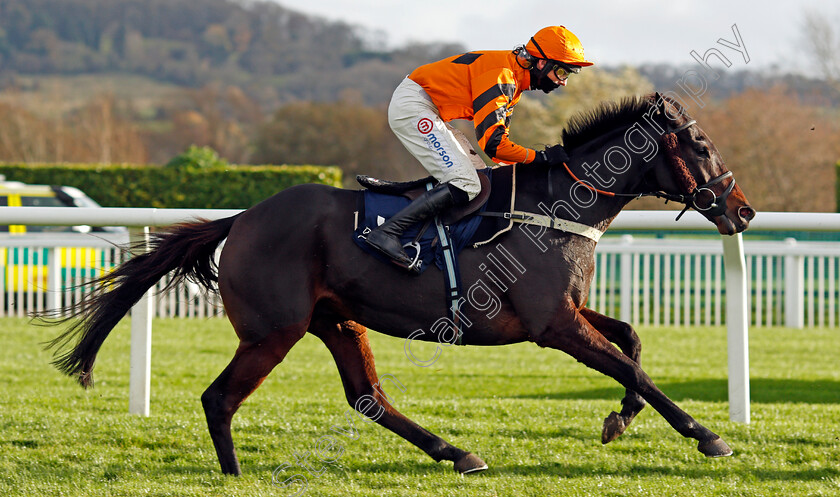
point(289, 266)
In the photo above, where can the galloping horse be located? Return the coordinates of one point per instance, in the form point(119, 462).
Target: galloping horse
point(290, 266)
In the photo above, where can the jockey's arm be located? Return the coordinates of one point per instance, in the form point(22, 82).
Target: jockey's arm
point(492, 108)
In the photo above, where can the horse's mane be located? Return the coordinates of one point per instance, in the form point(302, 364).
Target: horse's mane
point(603, 118)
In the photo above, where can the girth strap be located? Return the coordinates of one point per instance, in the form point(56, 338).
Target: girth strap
point(548, 222)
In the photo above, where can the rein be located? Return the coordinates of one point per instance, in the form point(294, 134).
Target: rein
point(712, 205)
point(715, 207)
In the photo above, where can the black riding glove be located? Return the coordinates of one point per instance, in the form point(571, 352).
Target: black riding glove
point(551, 155)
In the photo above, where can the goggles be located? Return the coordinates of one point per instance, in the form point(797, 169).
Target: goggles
point(562, 70)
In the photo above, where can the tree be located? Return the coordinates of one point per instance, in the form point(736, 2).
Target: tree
point(222, 118)
point(822, 37)
point(540, 119)
point(781, 151)
point(97, 132)
point(349, 135)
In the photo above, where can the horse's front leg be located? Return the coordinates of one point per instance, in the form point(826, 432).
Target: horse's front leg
point(573, 334)
point(623, 335)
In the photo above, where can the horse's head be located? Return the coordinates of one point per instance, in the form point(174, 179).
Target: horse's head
point(694, 169)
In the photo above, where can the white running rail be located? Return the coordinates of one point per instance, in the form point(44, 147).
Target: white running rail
point(737, 300)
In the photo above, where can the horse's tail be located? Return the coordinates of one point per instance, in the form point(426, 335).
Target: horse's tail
point(187, 249)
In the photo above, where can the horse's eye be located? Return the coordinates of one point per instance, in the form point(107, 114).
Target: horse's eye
point(704, 152)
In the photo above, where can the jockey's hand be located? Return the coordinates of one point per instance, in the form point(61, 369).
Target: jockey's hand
point(551, 155)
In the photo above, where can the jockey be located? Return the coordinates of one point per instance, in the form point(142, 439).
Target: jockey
point(478, 86)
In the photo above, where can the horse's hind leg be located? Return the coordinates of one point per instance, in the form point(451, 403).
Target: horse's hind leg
point(250, 365)
point(623, 335)
point(349, 346)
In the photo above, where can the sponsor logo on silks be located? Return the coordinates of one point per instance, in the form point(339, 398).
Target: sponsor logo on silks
point(425, 127)
point(436, 146)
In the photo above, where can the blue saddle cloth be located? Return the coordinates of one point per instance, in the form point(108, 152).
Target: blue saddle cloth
point(376, 208)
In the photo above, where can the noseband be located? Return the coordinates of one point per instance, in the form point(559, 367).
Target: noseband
point(701, 198)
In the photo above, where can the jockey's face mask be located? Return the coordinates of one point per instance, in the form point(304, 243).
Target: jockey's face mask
point(541, 79)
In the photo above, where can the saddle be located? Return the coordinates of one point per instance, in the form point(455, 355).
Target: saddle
point(441, 244)
point(454, 230)
point(413, 189)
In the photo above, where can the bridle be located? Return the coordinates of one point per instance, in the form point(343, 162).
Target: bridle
point(701, 198)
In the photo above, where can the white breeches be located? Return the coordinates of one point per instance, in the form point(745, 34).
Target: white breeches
point(443, 150)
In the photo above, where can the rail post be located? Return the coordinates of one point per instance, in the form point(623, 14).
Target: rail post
point(794, 288)
point(626, 286)
point(54, 286)
point(737, 328)
point(139, 385)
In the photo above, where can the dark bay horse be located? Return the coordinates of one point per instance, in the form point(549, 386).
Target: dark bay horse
point(289, 267)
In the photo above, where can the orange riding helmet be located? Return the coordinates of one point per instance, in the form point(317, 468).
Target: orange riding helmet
point(562, 51)
point(557, 43)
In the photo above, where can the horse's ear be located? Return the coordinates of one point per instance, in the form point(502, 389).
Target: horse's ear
point(657, 104)
point(659, 101)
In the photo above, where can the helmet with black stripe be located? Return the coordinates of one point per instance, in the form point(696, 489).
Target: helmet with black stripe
point(561, 50)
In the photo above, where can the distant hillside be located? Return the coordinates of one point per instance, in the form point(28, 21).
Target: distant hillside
point(812, 91)
point(274, 53)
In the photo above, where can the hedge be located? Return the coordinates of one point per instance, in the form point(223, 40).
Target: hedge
point(124, 185)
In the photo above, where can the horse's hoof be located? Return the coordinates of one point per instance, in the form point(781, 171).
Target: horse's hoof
point(613, 427)
point(470, 463)
point(714, 448)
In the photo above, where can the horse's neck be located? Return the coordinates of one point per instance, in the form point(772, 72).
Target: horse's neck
point(602, 165)
point(606, 169)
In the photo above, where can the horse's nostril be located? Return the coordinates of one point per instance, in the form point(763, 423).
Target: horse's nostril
point(746, 213)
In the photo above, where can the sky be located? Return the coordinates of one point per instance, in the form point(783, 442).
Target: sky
point(613, 32)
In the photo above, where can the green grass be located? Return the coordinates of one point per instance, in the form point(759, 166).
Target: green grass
point(534, 415)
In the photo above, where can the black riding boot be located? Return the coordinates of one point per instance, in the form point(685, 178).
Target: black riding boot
point(386, 238)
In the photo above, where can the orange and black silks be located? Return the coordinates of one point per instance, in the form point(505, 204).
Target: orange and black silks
point(482, 87)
